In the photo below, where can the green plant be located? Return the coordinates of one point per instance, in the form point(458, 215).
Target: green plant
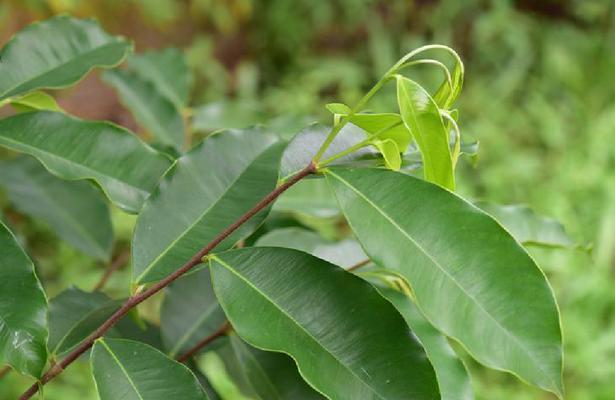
point(430, 265)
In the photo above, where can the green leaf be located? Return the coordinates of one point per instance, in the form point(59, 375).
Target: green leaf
point(155, 112)
point(345, 253)
point(347, 340)
point(35, 101)
point(309, 197)
point(76, 211)
point(56, 53)
point(390, 152)
point(68, 315)
point(422, 117)
point(215, 183)
point(268, 375)
point(338, 108)
point(23, 309)
point(126, 168)
point(527, 227)
point(168, 70)
point(452, 375)
point(470, 278)
point(189, 312)
point(124, 369)
point(445, 96)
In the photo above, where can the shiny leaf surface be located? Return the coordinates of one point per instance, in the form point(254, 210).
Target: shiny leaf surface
point(491, 296)
point(23, 309)
point(422, 117)
point(126, 168)
point(128, 370)
point(211, 198)
point(349, 343)
point(56, 53)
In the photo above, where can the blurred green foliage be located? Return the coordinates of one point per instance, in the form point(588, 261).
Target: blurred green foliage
point(539, 96)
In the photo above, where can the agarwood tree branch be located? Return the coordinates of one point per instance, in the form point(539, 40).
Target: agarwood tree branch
point(142, 296)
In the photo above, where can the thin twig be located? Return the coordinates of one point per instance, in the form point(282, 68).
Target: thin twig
point(140, 297)
point(116, 264)
point(359, 265)
point(221, 331)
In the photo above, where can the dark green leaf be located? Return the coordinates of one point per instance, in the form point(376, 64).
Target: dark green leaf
point(76, 211)
point(23, 309)
point(56, 53)
point(268, 375)
point(471, 279)
point(422, 117)
point(225, 115)
point(168, 70)
point(207, 189)
point(347, 340)
point(124, 369)
point(527, 227)
point(452, 375)
point(189, 313)
point(155, 112)
point(126, 168)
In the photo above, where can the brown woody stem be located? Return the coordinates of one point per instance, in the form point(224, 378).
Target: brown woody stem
point(116, 264)
point(221, 331)
point(138, 298)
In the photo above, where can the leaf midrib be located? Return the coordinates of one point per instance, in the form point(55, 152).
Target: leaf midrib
point(301, 328)
point(450, 277)
point(121, 366)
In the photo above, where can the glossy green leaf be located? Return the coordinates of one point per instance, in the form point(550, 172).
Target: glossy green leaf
point(128, 370)
point(311, 197)
point(527, 227)
point(471, 279)
point(422, 117)
point(345, 253)
point(268, 375)
point(215, 183)
point(35, 101)
point(56, 53)
point(76, 211)
point(152, 110)
point(189, 312)
point(168, 70)
point(23, 309)
point(452, 375)
point(126, 168)
point(348, 342)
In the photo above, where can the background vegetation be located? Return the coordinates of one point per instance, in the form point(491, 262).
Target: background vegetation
point(539, 96)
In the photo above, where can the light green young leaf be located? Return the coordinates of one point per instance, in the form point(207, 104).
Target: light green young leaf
point(445, 96)
point(124, 369)
point(338, 108)
point(76, 211)
point(168, 70)
point(266, 375)
point(56, 53)
point(35, 101)
point(206, 190)
point(491, 295)
point(390, 152)
point(453, 378)
point(155, 112)
point(350, 343)
point(527, 227)
point(126, 168)
point(189, 312)
point(23, 309)
point(422, 117)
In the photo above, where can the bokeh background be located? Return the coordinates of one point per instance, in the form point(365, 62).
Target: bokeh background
point(539, 96)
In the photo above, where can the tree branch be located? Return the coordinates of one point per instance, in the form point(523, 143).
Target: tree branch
point(358, 265)
point(116, 264)
point(221, 331)
point(140, 297)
